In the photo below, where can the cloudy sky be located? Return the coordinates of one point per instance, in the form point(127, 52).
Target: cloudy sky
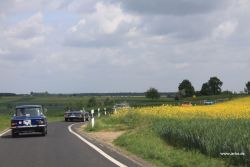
point(66, 46)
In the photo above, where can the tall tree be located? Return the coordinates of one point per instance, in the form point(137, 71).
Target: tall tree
point(152, 93)
point(248, 87)
point(215, 85)
point(205, 90)
point(186, 88)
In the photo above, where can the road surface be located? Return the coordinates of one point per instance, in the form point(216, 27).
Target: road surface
point(59, 148)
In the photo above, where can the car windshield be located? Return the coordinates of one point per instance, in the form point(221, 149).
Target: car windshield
point(31, 111)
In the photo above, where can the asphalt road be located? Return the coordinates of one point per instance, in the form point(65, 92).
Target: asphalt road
point(59, 148)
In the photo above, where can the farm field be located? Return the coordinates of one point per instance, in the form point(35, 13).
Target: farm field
point(57, 105)
point(214, 135)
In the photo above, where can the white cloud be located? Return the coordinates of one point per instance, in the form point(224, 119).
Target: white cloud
point(107, 26)
point(3, 51)
point(224, 30)
point(29, 28)
point(110, 17)
point(78, 26)
point(181, 66)
point(27, 33)
point(145, 43)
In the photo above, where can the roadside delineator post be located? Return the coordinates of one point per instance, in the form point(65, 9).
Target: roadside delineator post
point(92, 118)
point(105, 111)
point(99, 112)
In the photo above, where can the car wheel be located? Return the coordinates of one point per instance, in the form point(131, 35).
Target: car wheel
point(66, 119)
point(44, 131)
point(14, 134)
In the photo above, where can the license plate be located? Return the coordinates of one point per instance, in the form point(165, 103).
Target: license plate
point(27, 122)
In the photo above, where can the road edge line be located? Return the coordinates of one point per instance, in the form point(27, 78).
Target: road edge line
point(4, 132)
point(96, 148)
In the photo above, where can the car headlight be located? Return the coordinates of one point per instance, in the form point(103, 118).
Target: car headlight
point(13, 124)
point(40, 122)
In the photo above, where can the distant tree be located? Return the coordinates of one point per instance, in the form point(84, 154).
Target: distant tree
point(205, 90)
point(227, 92)
point(215, 85)
point(79, 105)
point(69, 106)
point(152, 93)
point(248, 87)
point(108, 101)
point(92, 102)
point(212, 87)
point(186, 89)
point(197, 93)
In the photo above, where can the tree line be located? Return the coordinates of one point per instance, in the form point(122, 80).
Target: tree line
point(186, 89)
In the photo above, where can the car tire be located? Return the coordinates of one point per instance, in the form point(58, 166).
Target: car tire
point(14, 134)
point(66, 119)
point(44, 131)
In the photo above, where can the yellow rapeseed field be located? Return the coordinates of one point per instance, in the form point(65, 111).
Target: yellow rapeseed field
point(235, 109)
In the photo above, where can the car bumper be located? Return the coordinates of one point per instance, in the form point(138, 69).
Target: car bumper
point(73, 117)
point(24, 129)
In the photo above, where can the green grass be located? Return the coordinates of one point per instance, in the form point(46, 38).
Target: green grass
point(4, 122)
point(149, 146)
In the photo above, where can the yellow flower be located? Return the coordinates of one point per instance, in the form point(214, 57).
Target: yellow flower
point(235, 109)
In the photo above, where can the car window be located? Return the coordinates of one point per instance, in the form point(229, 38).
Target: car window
point(36, 111)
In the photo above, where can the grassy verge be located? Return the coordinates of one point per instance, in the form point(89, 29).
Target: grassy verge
point(145, 139)
point(149, 146)
point(4, 122)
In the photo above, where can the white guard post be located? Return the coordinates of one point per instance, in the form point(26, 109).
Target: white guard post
point(92, 118)
point(105, 111)
point(99, 112)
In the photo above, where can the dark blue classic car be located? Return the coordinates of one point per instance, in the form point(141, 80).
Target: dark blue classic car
point(29, 119)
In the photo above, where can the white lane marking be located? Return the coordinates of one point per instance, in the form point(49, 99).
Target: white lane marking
point(5, 132)
point(96, 148)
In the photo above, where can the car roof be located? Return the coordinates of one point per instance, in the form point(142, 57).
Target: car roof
point(29, 106)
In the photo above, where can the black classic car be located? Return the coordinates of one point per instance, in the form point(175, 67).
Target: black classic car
point(29, 119)
point(76, 116)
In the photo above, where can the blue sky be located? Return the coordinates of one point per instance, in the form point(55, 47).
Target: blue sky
point(70, 46)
